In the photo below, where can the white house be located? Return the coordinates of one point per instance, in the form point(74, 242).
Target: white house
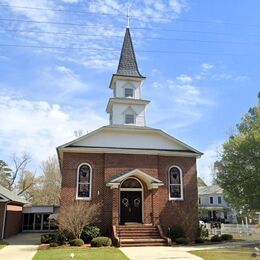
point(213, 207)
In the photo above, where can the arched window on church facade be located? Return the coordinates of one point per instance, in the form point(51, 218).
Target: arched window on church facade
point(175, 183)
point(84, 181)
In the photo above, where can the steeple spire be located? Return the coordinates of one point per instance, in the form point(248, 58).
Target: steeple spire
point(127, 64)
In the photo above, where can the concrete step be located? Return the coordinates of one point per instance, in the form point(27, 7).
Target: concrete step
point(143, 242)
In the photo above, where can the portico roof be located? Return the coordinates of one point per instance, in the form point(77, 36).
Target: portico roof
point(151, 182)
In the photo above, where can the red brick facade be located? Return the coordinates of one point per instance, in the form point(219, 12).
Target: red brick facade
point(158, 209)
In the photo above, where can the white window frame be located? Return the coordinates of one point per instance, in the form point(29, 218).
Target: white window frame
point(219, 200)
point(181, 184)
point(210, 200)
point(90, 183)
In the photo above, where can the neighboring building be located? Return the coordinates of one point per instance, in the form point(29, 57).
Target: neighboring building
point(11, 207)
point(140, 174)
point(39, 218)
point(213, 207)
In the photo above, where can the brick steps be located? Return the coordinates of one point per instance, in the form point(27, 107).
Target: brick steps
point(140, 235)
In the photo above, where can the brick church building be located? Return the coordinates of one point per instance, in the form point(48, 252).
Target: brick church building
point(145, 178)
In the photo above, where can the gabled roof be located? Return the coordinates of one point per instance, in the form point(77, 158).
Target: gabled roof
point(207, 190)
point(151, 182)
point(10, 196)
point(127, 64)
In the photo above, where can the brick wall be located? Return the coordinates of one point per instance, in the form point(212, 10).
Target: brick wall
point(13, 220)
point(156, 202)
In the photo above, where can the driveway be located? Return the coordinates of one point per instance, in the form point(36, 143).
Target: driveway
point(22, 246)
point(157, 252)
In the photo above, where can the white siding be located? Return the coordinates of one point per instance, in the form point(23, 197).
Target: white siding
point(122, 84)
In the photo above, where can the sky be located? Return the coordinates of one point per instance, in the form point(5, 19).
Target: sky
point(201, 59)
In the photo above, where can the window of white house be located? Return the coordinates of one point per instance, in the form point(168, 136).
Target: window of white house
point(219, 200)
point(84, 182)
point(129, 92)
point(129, 119)
point(211, 200)
point(175, 183)
point(199, 201)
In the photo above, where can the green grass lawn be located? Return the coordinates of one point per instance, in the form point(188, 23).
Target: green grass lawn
point(238, 253)
point(80, 253)
point(3, 244)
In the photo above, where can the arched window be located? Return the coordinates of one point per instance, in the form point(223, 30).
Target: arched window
point(175, 183)
point(130, 116)
point(84, 177)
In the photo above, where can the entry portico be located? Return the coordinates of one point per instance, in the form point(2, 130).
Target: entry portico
point(129, 191)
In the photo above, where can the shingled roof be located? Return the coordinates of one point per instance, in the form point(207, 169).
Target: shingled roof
point(127, 64)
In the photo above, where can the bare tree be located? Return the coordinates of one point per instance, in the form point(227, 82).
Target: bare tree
point(74, 218)
point(19, 178)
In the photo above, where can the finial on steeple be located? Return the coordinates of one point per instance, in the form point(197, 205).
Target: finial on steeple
point(128, 15)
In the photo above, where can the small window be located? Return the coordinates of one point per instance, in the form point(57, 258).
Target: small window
point(131, 183)
point(175, 183)
point(84, 182)
point(211, 200)
point(129, 119)
point(219, 200)
point(199, 201)
point(129, 92)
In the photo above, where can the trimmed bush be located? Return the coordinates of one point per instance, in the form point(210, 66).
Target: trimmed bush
point(216, 238)
point(90, 232)
point(176, 231)
point(226, 237)
point(48, 238)
point(62, 237)
point(202, 231)
point(182, 241)
point(77, 242)
point(101, 241)
point(199, 240)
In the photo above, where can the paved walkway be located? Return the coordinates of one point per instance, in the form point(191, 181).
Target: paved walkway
point(157, 252)
point(178, 252)
point(21, 247)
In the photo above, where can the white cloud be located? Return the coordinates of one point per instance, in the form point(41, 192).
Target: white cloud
point(70, 1)
point(207, 66)
point(39, 127)
point(206, 162)
point(183, 78)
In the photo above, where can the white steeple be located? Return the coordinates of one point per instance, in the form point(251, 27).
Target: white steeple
point(126, 107)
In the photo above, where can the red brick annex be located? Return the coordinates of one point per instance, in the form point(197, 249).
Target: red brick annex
point(145, 179)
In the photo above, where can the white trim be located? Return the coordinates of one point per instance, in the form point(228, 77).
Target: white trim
point(90, 183)
point(3, 199)
point(151, 182)
point(131, 189)
point(181, 184)
point(4, 220)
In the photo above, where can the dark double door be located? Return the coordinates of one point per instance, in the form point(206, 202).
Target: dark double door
point(131, 206)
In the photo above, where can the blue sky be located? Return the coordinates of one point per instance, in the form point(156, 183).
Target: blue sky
point(201, 60)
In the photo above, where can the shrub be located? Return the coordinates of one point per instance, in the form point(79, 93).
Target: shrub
point(90, 232)
point(101, 241)
point(226, 237)
point(199, 240)
point(202, 231)
point(62, 237)
point(216, 238)
point(76, 242)
point(48, 238)
point(181, 241)
point(175, 232)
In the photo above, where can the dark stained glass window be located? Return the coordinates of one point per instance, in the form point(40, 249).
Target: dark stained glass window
point(84, 177)
point(131, 183)
point(175, 183)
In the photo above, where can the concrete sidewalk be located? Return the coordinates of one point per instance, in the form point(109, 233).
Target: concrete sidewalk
point(157, 252)
point(22, 246)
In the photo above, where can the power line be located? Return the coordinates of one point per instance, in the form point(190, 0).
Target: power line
point(114, 50)
point(132, 16)
point(120, 36)
point(118, 27)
